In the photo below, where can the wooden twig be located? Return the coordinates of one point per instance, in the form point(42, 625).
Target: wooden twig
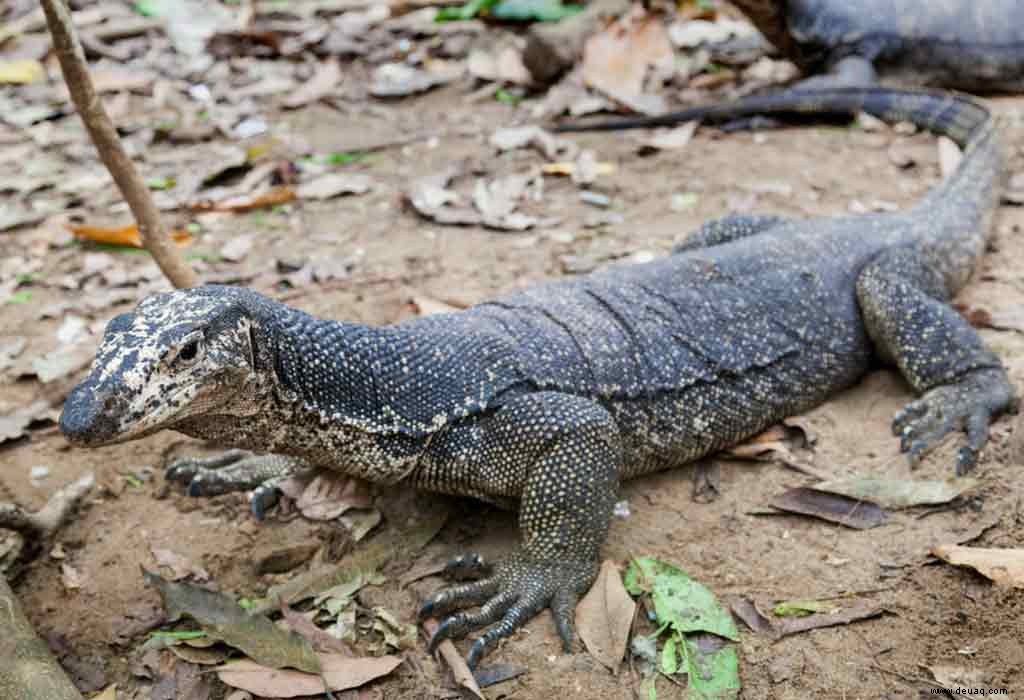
point(28, 670)
point(76, 74)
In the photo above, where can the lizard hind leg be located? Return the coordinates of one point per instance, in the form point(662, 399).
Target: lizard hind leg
point(236, 470)
point(961, 382)
point(562, 456)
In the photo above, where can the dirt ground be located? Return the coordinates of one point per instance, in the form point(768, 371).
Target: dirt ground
point(935, 615)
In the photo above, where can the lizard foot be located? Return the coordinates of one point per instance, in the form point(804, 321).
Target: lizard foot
point(969, 405)
point(235, 470)
point(519, 589)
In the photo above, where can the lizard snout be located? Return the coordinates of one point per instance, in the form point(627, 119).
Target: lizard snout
point(88, 416)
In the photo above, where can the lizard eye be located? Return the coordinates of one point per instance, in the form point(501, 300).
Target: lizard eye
point(189, 352)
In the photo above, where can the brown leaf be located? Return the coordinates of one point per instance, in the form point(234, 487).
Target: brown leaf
point(1005, 567)
point(858, 515)
point(122, 235)
point(618, 60)
point(329, 495)
point(461, 674)
point(334, 184)
point(360, 522)
point(324, 81)
point(320, 639)
point(604, 617)
point(267, 198)
point(340, 673)
point(747, 611)
point(180, 566)
point(253, 634)
point(843, 616)
point(427, 306)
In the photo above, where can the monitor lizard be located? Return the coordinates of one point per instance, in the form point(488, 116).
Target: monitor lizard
point(548, 398)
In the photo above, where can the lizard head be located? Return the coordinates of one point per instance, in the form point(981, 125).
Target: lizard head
point(178, 355)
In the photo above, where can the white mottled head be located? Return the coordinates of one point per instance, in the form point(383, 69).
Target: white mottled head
point(178, 355)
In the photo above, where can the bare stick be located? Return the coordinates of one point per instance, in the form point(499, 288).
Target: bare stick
point(104, 136)
point(28, 670)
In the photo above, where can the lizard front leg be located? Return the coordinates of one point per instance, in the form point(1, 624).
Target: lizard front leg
point(237, 470)
point(962, 383)
point(561, 457)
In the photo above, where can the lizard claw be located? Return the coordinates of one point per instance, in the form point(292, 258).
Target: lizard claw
point(969, 405)
point(517, 592)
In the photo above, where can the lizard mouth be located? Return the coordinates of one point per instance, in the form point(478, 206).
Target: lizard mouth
point(94, 418)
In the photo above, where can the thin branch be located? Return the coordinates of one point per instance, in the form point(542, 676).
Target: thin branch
point(29, 669)
point(108, 143)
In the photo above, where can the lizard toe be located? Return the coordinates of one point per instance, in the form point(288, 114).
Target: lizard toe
point(516, 616)
point(459, 596)
point(461, 623)
point(969, 404)
point(466, 567)
point(520, 589)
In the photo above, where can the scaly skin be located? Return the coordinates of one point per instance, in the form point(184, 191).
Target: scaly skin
point(972, 45)
point(548, 398)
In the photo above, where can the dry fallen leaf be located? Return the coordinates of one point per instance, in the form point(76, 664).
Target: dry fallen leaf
point(21, 72)
point(322, 84)
point(505, 66)
point(848, 613)
point(109, 693)
point(619, 60)
point(70, 577)
point(669, 139)
point(426, 306)
point(461, 674)
point(340, 673)
point(1003, 566)
point(334, 184)
point(859, 515)
point(259, 200)
point(329, 495)
point(121, 235)
point(604, 617)
point(320, 639)
point(181, 567)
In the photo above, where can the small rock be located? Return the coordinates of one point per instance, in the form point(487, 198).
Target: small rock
point(683, 201)
point(596, 198)
point(37, 474)
point(237, 248)
point(605, 218)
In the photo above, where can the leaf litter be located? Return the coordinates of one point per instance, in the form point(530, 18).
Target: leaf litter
point(699, 629)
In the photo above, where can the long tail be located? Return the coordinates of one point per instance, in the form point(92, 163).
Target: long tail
point(958, 211)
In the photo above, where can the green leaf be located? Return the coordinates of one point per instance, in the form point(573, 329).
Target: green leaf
point(468, 11)
point(713, 668)
point(534, 10)
point(506, 97)
point(25, 278)
point(344, 158)
point(161, 183)
point(150, 8)
point(132, 481)
point(802, 608)
point(22, 297)
point(254, 635)
point(669, 657)
point(679, 601)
